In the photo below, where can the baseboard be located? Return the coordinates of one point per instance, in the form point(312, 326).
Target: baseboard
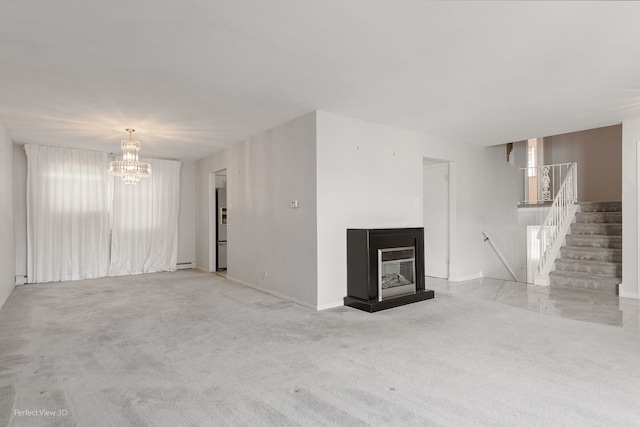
point(330, 305)
point(478, 275)
point(5, 298)
point(21, 280)
point(272, 293)
point(631, 295)
point(542, 281)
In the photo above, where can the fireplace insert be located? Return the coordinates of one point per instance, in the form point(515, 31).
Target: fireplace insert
point(385, 268)
point(396, 272)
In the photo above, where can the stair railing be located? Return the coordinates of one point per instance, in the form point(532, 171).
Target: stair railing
point(555, 226)
point(542, 183)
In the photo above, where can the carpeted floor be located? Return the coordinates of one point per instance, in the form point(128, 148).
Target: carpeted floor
point(191, 348)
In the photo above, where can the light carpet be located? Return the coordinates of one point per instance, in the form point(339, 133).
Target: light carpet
point(191, 348)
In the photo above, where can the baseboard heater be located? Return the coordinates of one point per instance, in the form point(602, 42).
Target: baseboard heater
point(185, 265)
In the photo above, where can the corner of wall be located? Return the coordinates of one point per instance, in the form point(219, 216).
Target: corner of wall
point(187, 213)
point(7, 244)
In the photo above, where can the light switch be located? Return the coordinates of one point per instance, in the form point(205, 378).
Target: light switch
point(293, 204)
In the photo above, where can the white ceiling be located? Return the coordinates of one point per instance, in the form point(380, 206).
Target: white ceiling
point(193, 76)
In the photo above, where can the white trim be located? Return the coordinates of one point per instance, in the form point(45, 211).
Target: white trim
point(453, 214)
point(451, 198)
point(213, 243)
point(630, 295)
point(330, 305)
point(273, 293)
point(478, 275)
point(542, 281)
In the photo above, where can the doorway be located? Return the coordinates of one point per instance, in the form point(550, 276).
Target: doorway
point(436, 212)
point(218, 222)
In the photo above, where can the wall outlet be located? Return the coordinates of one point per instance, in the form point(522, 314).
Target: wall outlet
point(293, 204)
point(416, 202)
point(265, 274)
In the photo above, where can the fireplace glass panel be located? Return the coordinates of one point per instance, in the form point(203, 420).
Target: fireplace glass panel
point(396, 272)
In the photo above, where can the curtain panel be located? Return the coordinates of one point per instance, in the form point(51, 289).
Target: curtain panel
point(72, 201)
point(67, 214)
point(145, 222)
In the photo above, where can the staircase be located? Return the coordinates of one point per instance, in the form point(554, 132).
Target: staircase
point(592, 255)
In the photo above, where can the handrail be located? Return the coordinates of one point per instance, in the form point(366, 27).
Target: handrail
point(540, 167)
point(504, 261)
point(556, 225)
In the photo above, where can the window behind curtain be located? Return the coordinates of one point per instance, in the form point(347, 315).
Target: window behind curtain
point(72, 201)
point(145, 221)
point(67, 214)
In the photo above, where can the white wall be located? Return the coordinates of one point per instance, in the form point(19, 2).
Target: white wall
point(20, 209)
point(369, 175)
point(264, 234)
point(598, 153)
point(7, 249)
point(187, 216)
point(350, 173)
point(630, 137)
point(502, 189)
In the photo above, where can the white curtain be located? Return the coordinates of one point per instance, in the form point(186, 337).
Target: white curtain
point(67, 214)
point(145, 222)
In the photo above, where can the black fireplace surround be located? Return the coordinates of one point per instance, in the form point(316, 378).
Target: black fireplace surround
point(368, 250)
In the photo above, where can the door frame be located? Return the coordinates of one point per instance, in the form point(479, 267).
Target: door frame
point(451, 181)
point(213, 215)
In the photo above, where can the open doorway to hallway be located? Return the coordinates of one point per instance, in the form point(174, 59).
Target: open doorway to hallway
point(436, 212)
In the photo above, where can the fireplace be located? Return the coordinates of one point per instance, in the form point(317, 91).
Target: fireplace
point(385, 268)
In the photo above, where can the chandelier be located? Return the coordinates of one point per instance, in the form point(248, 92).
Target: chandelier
point(129, 168)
